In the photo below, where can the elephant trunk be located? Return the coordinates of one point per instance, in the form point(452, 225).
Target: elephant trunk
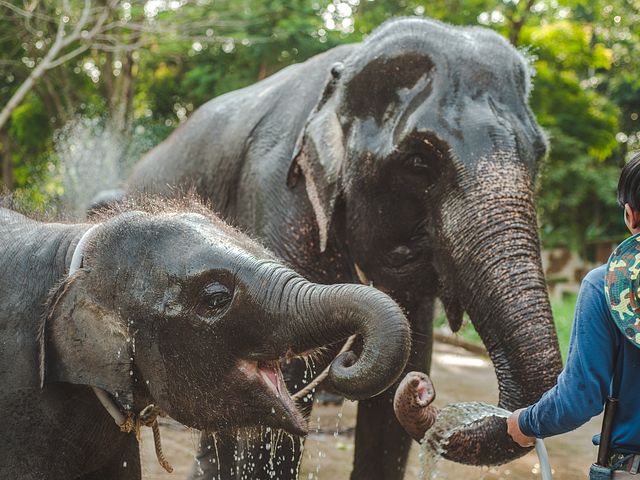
point(412, 404)
point(307, 316)
point(498, 262)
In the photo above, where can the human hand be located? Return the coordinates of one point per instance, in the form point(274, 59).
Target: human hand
point(513, 429)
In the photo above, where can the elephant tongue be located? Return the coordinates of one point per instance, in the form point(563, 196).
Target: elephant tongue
point(270, 375)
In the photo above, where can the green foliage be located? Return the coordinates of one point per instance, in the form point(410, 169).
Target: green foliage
point(275, 34)
point(30, 127)
point(586, 90)
point(562, 310)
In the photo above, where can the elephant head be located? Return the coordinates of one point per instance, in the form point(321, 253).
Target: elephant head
point(179, 310)
point(423, 152)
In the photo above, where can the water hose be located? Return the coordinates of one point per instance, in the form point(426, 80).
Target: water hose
point(543, 457)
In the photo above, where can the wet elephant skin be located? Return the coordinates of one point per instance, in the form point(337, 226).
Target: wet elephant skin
point(408, 161)
point(198, 334)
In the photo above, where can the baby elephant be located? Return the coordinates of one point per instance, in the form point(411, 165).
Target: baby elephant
point(169, 308)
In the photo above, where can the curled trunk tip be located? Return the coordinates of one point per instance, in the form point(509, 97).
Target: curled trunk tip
point(412, 404)
point(386, 341)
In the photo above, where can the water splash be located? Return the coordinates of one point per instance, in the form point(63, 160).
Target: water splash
point(450, 420)
point(215, 460)
point(92, 157)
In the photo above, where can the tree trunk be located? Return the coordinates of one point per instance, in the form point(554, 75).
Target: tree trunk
point(516, 25)
point(126, 91)
point(7, 163)
point(121, 98)
point(262, 73)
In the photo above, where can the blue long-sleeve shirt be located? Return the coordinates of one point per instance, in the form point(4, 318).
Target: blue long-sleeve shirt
point(585, 382)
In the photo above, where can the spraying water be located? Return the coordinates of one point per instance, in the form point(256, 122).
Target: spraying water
point(91, 159)
point(94, 156)
point(457, 417)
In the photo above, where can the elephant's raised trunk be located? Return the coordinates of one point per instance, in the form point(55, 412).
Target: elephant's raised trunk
point(309, 316)
point(496, 260)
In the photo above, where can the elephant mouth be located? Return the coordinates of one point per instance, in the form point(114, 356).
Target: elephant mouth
point(271, 376)
point(268, 383)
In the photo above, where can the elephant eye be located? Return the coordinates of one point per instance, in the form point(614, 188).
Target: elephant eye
point(401, 255)
point(422, 164)
point(419, 162)
point(216, 297)
point(426, 159)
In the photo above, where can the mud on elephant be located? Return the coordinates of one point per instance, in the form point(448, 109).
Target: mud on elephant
point(407, 160)
point(170, 307)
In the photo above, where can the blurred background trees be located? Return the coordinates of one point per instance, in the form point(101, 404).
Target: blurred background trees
point(128, 72)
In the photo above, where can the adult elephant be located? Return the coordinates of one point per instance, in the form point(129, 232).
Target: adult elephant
point(408, 161)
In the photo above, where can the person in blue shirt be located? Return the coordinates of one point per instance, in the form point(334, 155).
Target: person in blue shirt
point(598, 343)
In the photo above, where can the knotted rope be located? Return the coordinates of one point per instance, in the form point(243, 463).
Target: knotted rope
point(148, 417)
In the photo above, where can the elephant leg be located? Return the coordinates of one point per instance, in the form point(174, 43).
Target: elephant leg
point(216, 458)
point(274, 455)
point(227, 458)
point(382, 445)
point(125, 464)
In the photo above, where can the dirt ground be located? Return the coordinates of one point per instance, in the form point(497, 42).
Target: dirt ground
point(458, 376)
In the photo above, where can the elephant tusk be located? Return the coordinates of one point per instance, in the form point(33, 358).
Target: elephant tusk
point(362, 276)
point(364, 280)
point(110, 406)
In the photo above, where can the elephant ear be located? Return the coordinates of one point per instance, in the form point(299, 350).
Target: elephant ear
point(83, 343)
point(319, 155)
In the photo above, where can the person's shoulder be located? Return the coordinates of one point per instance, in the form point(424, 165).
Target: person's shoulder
point(592, 292)
point(595, 277)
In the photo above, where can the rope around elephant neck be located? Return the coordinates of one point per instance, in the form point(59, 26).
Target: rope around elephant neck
point(320, 378)
point(148, 416)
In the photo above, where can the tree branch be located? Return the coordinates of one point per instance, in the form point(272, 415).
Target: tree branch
point(68, 56)
point(516, 25)
point(52, 60)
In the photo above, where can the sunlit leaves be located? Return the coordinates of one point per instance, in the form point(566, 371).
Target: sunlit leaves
point(569, 45)
point(586, 92)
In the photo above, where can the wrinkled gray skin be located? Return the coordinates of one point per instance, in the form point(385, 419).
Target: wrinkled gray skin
point(412, 155)
point(171, 308)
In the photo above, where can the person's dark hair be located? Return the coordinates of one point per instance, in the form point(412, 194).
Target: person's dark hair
point(629, 183)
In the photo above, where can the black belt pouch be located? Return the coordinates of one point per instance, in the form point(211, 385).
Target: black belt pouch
point(598, 472)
